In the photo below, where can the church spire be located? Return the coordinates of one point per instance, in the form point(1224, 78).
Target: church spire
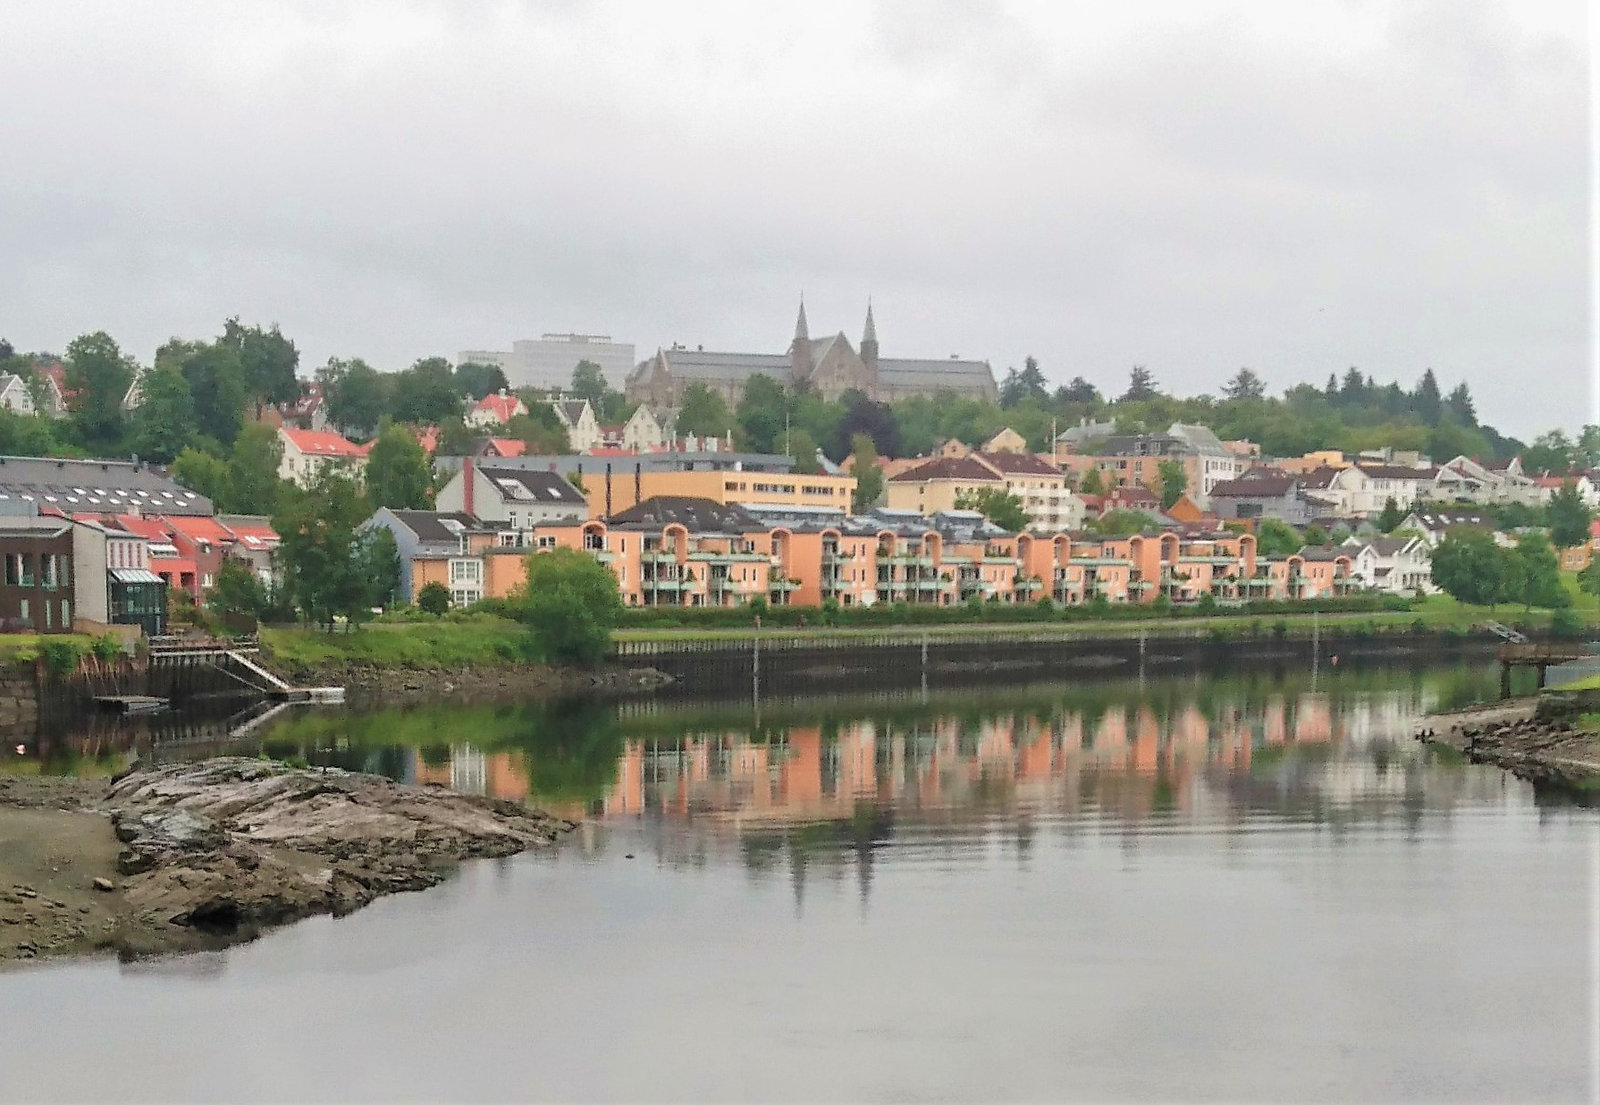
point(869, 342)
point(800, 363)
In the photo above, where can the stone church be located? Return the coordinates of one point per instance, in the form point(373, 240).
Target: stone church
point(830, 366)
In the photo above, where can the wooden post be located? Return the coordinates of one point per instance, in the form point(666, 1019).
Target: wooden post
point(1505, 678)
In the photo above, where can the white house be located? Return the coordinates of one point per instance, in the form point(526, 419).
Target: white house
point(1364, 489)
point(15, 395)
point(306, 453)
point(1396, 565)
point(583, 429)
point(495, 409)
point(517, 497)
point(643, 432)
point(1434, 524)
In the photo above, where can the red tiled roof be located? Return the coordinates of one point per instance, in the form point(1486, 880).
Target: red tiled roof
point(508, 446)
point(1019, 464)
point(150, 529)
point(947, 468)
point(198, 528)
point(322, 443)
point(503, 407)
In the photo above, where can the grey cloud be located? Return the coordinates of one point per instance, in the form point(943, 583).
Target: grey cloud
point(1194, 200)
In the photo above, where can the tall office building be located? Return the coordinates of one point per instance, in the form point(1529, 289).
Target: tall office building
point(549, 361)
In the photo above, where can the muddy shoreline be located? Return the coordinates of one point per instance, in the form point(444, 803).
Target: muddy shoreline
point(194, 856)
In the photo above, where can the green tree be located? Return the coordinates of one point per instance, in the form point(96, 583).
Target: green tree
point(1391, 517)
point(1275, 537)
point(1569, 517)
point(164, 421)
point(803, 448)
point(703, 412)
point(1427, 401)
point(268, 360)
point(589, 382)
point(205, 474)
point(1021, 386)
point(398, 474)
point(571, 604)
point(216, 382)
point(1141, 385)
point(434, 598)
point(1315, 535)
point(253, 482)
point(355, 393)
point(1245, 384)
point(763, 413)
point(327, 562)
point(1538, 574)
point(475, 380)
point(1174, 482)
point(999, 506)
point(1471, 568)
point(99, 374)
point(869, 477)
point(1123, 523)
point(1550, 452)
point(238, 590)
point(1092, 483)
point(425, 393)
point(1589, 578)
point(540, 430)
point(1460, 408)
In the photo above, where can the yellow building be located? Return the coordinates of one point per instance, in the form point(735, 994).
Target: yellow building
point(620, 491)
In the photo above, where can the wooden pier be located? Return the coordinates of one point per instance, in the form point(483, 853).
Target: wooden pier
point(1541, 655)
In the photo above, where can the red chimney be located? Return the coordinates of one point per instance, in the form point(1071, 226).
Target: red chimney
point(468, 476)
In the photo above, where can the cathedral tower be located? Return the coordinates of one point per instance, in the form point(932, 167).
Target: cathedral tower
point(800, 363)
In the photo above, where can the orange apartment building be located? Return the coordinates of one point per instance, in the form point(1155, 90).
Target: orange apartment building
point(682, 551)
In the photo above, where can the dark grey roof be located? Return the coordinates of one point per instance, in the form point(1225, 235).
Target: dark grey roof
point(695, 364)
point(572, 409)
point(96, 486)
point(1443, 519)
point(918, 372)
point(530, 485)
point(1254, 487)
point(437, 526)
point(1325, 552)
point(695, 514)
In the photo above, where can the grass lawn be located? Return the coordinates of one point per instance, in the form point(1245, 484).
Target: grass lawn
point(440, 644)
point(23, 648)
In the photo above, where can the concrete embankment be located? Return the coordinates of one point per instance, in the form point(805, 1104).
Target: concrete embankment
point(389, 686)
point(191, 856)
point(1540, 739)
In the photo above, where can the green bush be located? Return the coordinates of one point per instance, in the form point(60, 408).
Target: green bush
point(61, 655)
point(1566, 623)
point(107, 647)
point(433, 598)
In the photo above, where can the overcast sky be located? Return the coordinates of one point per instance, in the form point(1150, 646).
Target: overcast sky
point(1192, 186)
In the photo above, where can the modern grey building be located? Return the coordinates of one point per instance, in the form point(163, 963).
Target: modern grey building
point(548, 361)
point(95, 487)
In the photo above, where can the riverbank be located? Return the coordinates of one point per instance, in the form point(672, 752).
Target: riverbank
point(185, 857)
point(1543, 739)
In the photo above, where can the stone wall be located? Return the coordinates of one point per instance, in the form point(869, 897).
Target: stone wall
point(19, 700)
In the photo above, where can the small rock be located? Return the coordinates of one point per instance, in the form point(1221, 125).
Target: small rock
point(27, 892)
point(104, 885)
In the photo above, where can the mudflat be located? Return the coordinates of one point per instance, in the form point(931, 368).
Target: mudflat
point(202, 855)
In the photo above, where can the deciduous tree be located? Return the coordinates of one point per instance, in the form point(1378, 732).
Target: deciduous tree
point(164, 421)
point(571, 604)
point(996, 504)
point(398, 474)
point(869, 477)
point(1174, 482)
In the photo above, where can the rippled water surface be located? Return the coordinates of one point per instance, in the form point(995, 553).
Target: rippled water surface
point(1237, 889)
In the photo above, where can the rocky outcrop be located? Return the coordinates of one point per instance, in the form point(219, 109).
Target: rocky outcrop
point(213, 853)
point(1545, 747)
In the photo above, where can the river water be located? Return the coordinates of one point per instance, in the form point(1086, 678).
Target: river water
point(1251, 888)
